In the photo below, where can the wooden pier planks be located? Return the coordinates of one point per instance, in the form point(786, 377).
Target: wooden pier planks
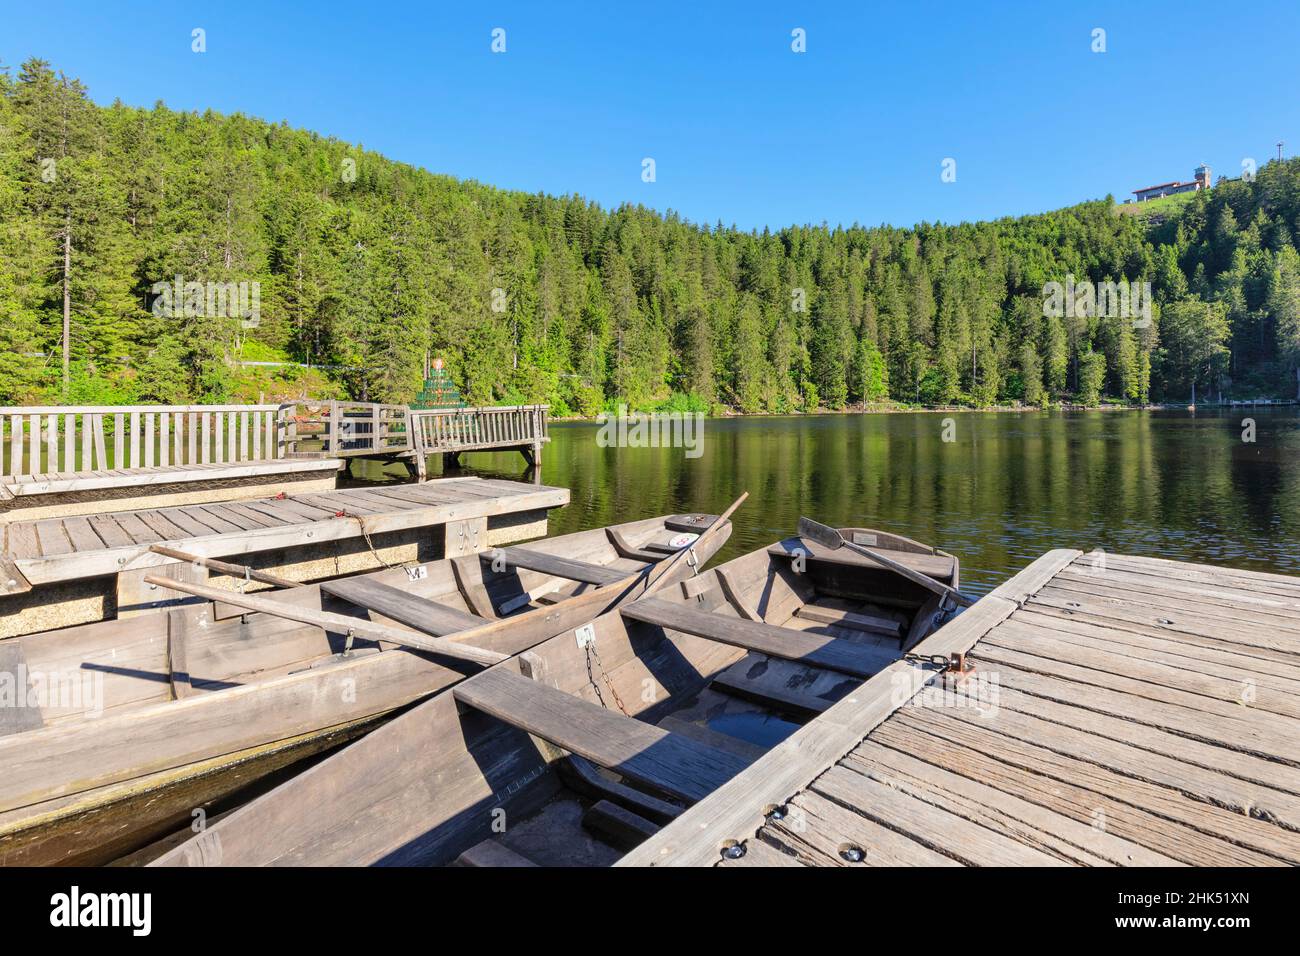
point(51, 550)
point(1133, 711)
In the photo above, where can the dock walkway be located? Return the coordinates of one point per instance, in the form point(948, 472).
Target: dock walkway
point(1121, 711)
point(358, 527)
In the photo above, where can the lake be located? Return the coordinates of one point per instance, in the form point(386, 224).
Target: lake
point(1006, 488)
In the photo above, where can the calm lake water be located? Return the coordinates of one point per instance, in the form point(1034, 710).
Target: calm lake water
point(1008, 487)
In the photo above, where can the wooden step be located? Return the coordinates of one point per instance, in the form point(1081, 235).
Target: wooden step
point(817, 650)
point(403, 607)
point(637, 750)
point(851, 619)
point(617, 826)
point(493, 854)
point(582, 776)
point(555, 565)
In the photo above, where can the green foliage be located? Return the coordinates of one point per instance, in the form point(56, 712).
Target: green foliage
point(367, 267)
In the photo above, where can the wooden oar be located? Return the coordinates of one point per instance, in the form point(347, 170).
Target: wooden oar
point(659, 571)
point(225, 567)
point(338, 623)
point(831, 538)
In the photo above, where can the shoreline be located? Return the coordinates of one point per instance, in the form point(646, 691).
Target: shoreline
point(937, 409)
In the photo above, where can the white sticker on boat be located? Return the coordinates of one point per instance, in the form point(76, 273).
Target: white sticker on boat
point(682, 540)
point(586, 635)
point(417, 573)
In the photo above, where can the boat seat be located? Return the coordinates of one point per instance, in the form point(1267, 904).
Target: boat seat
point(804, 647)
point(402, 606)
point(639, 751)
point(554, 565)
point(938, 566)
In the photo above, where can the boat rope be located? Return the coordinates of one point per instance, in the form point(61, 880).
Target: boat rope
point(593, 654)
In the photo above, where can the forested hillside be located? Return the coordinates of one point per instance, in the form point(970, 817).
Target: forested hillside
point(366, 265)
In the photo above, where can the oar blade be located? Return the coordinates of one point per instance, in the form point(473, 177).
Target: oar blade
point(821, 533)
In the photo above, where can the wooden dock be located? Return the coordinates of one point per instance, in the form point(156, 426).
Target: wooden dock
point(1121, 711)
point(100, 560)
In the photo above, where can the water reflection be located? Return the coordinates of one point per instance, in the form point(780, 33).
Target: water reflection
point(1007, 488)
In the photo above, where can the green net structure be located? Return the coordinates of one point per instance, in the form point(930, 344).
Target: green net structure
point(439, 391)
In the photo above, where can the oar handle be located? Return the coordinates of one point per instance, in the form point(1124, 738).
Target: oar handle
point(938, 587)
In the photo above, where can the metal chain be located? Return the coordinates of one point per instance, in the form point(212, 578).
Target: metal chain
point(938, 660)
point(365, 533)
point(593, 653)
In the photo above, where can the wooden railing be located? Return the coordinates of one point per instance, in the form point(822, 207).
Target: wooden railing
point(342, 429)
point(75, 438)
point(469, 429)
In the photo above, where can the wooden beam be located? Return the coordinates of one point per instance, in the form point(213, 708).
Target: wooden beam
point(804, 647)
point(336, 623)
point(635, 749)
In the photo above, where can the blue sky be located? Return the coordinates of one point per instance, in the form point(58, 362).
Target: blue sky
point(741, 128)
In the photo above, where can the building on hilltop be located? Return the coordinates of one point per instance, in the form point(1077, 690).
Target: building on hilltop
point(1200, 181)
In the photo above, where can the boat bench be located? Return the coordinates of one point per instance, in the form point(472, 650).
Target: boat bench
point(60, 494)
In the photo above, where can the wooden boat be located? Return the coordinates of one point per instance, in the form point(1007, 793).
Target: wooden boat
point(574, 751)
point(186, 708)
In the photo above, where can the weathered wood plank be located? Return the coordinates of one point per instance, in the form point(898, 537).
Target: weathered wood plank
point(630, 747)
point(1264, 840)
point(555, 565)
point(928, 823)
point(1000, 812)
point(800, 646)
point(1090, 807)
point(402, 606)
point(819, 832)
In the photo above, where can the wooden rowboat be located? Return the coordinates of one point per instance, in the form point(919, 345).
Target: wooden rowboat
point(174, 713)
point(574, 751)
